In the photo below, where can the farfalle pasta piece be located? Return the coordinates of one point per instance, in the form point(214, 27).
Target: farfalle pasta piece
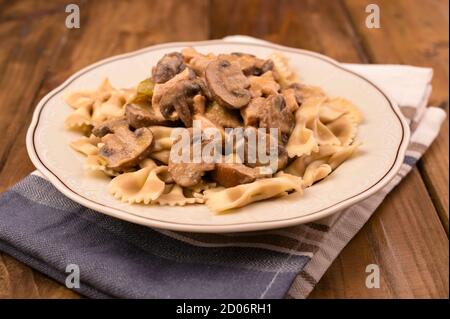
point(128, 94)
point(148, 162)
point(162, 138)
point(87, 98)
point(316, 171)
point(142, 186)
point(346, 106)
point(342, 154)
point(114, 106)
point(286, 76)
point(202, 186)
point(93, 107)
point(344, 129)
point(97, 163)
point(331, 154)
point(175, 197)
point(245, 194)
point(329, 113)
point(80, 118)
point(301, 142)
point(86, 145)
point(162, 156)
point(323, 134)
point(79, 99)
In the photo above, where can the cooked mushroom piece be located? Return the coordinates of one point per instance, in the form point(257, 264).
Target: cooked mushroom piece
point(263, 85)
point(168, 66)
point(189, 173)
point(227, 83)
point(197, 61)
point(232, 174)
point(174, 98)
point(269, 113)
point(277, 115)
point(140, 115)
point(251, 154)
point(250, 65)
point(109, 126)
point(180, 100)
point(123, 148)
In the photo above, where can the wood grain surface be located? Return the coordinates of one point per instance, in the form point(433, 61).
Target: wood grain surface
point(407, 235)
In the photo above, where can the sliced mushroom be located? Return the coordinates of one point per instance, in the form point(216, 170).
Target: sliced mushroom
point(174, 98)
point(232, 174)
point(222, 116)
point(269, 113)
point(140, 115)
point(277, 115)
point(168, 66)
point(254, 159)
point(263, 85)
point(227, 83)
point(180, 101)
point(123, 148)
point(250, 65)
point(109, 126)
point(190, 173)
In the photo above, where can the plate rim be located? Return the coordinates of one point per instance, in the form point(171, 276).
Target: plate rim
point(221, 228)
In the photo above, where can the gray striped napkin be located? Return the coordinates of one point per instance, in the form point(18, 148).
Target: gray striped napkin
point(44, 229)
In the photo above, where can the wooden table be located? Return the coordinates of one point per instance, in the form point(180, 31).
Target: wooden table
point(407, 236)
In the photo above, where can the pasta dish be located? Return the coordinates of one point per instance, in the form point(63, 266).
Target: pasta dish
point(223, 130)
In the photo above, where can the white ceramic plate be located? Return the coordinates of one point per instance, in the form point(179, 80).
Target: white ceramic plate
point(384, 134)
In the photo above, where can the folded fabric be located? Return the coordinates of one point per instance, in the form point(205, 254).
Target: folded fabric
point(42, 228)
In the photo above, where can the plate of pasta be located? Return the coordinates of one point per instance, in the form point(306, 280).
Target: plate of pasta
point(217, 136)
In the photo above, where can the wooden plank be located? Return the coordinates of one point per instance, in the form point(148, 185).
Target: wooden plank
point(104, 32)
point(434, 169)
point(31, 9)
point(313, 25)
point(415, 32)
point(25, 57)
point(325, 27)
point(405, 240)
